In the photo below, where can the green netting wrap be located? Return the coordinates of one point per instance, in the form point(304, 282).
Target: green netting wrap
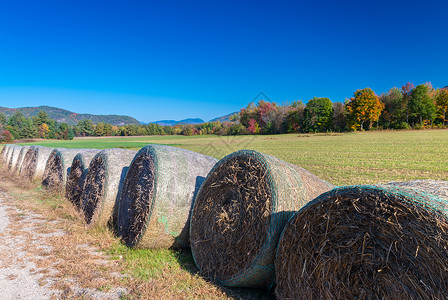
point(77, 175)
point(20, 159)
point(102, 185)
point(4, 152)
point(14, 157)
point(58, 166)
point(155, 204)
point(33, 165)
point(241, 210)
point(367, 242)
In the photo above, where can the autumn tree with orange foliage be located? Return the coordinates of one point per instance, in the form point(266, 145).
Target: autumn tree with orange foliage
point(364, 107)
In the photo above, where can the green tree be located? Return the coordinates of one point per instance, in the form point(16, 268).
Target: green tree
point(339, 117)
point(100, 129)
point(21, 127)
point(317, 115)
point(442, 106)
point(395, 109)
point(85, 127)
point(3, 119)
point(41, 118)
point(421, 107)
point(364, 107)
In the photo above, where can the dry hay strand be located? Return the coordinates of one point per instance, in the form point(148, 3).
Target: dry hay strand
point(77, 175)
point(102, 185)
point(19, 162)
point(366, 242)
point(157, 195)
point(14, 157)
point(241, 210)
point(33, 166)
point(57, 168)
point(4, 152)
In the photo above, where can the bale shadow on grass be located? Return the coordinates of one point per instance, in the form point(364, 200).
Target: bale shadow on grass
point(186, 262)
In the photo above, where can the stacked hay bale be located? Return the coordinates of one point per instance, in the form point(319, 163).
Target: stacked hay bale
point(14, 158)
point(241, 210)
point(156, 199)
point(33, 166)
point(58, 166)
point(367, 242)
point(4, 152)
point(77, 175)
point(9, 155)
point(102, 184)
point(20, 159)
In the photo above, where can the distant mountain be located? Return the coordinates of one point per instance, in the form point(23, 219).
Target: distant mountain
point(222, 119)
point(65, 116)
point(181, 122)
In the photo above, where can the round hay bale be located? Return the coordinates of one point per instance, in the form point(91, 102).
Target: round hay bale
point(155, 203)
point(14, 157)
point(366, 242)
point(58, 166)
point(4, 152)
point(241, 210)
point(33, 166)
point(9, 155)
point(102, 185)
point(19, 163)
point(77, 175)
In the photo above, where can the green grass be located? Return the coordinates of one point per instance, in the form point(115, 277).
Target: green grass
point(342, 159)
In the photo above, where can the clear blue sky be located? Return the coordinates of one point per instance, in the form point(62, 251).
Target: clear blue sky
point(157, 60)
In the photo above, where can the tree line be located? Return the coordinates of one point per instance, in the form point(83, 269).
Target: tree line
point(411, 106)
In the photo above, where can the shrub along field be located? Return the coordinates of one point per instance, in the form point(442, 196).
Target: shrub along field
point(342, 158)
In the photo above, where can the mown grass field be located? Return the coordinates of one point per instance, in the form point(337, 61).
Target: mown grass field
point(342, 159)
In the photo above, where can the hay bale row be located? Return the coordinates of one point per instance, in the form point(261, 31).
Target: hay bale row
point(34, 162)
point(57, 167)
point(102, 185)
point(239, 214)
point(14, 156)
point(77, 175)
point(9, 155)
point(157, 195)
point(367, 242)
point(20, 159)
point(4, 152)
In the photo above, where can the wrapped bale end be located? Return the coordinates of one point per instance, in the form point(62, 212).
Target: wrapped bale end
point(155, 203)
point(241, 210)
point(77, 175)
point(58, 166)
point(102, 185)
point(14, 157)
point(366, 242)
point(20, 159)
point(34, 162)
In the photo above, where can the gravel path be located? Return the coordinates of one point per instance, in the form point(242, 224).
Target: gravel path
point(19, 276)
point(23, 247)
